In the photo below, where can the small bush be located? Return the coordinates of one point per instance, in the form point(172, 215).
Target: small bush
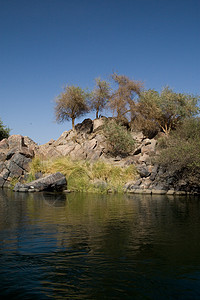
point(120, 141)
point(4, 131)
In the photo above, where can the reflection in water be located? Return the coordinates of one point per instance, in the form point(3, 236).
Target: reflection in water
point(81, 246)
point(54, 199)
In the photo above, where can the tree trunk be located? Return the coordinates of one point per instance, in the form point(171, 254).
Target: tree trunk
point(73, 126)
point(166, 129)
point(97, 114)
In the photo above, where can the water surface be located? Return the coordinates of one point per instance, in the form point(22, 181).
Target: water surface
point(79, 246)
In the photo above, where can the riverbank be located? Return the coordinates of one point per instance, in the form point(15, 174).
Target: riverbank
point(85, 158)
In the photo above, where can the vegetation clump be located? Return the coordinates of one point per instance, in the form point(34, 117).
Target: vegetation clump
point(130, 104)
point(100, 96)
point(123, 99)
point(84, 176)
point(4, 131)
point(71, 104)
point(119, 139)
point(163, 112)
point(179, 152)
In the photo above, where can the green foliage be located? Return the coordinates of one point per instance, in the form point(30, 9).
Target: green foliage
point(119, 139)
point(165, 110)
point(4, 131)
point(83, 176)
point(71, 104)
point(36, 165)
point(62, 164)
point(180, 151)
point(79, 180)
point(100, 95)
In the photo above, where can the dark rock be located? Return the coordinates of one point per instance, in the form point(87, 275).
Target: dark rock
point(27, 152)
point(21, 160)
point(2, 181)
point(85, 127)
point(160, 186)
point(53, 182)
point(154, 172)
point(2, 166)
point(5, 174)
point(143, 171)
point(10, 153)
point(137, 151)
point(14, 169)
point(38, 175)
point(132, 185)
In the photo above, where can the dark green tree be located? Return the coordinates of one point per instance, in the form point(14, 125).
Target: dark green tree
point(4, 131)
point(165, 110)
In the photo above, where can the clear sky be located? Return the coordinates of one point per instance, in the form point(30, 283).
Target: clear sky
point(46, 44)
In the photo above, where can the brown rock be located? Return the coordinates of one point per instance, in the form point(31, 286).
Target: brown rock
point(4, 144)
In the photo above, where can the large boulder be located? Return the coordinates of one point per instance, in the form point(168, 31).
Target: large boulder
point(85, 127)
point(98, 124)
point(16, 152)
point(54, 182)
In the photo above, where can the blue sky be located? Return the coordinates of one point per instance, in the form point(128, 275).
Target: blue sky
point(46, 44)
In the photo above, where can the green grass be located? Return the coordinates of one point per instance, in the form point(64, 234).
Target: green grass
point(83, 176)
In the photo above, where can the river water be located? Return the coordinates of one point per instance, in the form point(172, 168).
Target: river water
point(79, 246)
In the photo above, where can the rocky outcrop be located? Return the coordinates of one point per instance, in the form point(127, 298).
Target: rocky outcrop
point(16, 152)
point(54, 182)
point(88, 142)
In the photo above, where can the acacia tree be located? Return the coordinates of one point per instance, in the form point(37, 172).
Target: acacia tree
point(4, 131)
point(100, 95)
point(165, 110)
point(122, 101)
point(71, 104)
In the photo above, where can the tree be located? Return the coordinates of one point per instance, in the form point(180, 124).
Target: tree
point(179, 153)
point(122, 101)
point(71, 104)
point(100, 95)
point(4, 131)
point(165, 110)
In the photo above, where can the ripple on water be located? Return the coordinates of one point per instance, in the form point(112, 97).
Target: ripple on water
point(99, 247)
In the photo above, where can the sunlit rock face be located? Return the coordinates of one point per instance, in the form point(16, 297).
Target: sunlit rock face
point(16, 153)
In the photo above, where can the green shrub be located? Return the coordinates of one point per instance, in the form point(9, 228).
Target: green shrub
point(4, 131)
point(119, 139)
point(180, 151)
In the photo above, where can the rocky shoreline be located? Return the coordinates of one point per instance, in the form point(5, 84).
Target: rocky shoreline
point(88, 143)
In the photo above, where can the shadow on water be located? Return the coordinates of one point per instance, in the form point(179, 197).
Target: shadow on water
point(86, 246)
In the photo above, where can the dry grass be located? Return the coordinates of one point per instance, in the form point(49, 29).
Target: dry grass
point(83, 175)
